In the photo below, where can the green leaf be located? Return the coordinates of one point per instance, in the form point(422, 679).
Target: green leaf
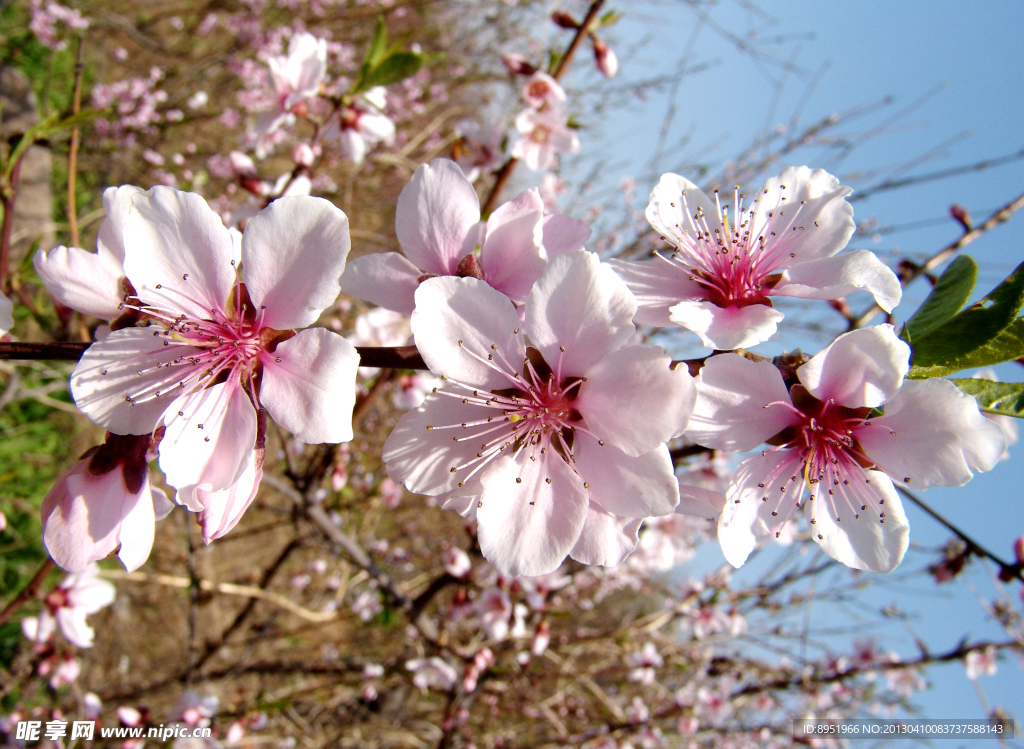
point(393, 69)
point(608, 18)
point(378, 46)
point(947, 298)
point(1003, 398)
point(949, 344)
point(1006, 346)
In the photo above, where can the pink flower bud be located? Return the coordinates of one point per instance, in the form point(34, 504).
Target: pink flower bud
point(960, 213)
point(303, 155)
point(605, 58)
point(564, 20)
point(541, 639)
point(517, 64)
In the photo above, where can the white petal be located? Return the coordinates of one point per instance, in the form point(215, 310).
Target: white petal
point(529, 527)
point(563, 234)
point(223, 509)
point(387, 279)
point(746, 515)
point(727, 328)
point(353, 146)
point(435, 211)
point(674, 203)
point(422, 458)
point(169, 235)
point(606, 538)
point(108, 388)
point(581, 305)
point(834, 277)
point(860, 368)
point(513, 255)
point(933, 434)
point(657, 285)
point(866, 542)
point(632, 487)
point(161, 505)
point(455, 323)
point(84, 281)
point(376, 128)
point(293, 255)
point(699, 502)
point(138, 529)
point(809, 215)
point(732, 395)
point(74, 627)
point(117, 202)
point(309, 386)
point(209, 437)
point(82, 517)
point(634, 401)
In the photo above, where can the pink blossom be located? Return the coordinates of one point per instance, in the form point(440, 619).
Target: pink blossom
point(517, 64)
point(104, 502)
point(412, 389)
point(66, 672)
point(367, 605)
point(828, 441)
point(303, 155)
point(432, 673)
point(67, 605)
point(542, 136)
point(381, 327)
point(363, 124)
point(719, 279)
point(643, 663)
point(540, 89)
point(390, 493)
point(981, 662)
point(91, 706)
point(182, 264)
point(456, 562)
point(483, 659)
point(494, 609)
point(438, 226)
point(194, 709)
point(586, 417)
point(541, 639)
point(92, 283)
point(295, 77)
point(478, 149)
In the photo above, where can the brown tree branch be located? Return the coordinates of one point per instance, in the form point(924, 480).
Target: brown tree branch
point(1003, 215)
point(27, 593)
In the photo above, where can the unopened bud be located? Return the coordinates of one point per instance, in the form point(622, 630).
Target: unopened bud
point(1018, 549)
point(541, 638)
point(605, 58)
point(303, 155)
point(960, 213)
point(517, 64)
point(564, 20)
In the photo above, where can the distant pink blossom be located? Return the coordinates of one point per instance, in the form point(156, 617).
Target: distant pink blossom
point(363, 124)
point(456, 562)
point(540, 89)
point(981, 663)
point(43, 22)
point(542, 136)
point(432, 673)
point(68, 605)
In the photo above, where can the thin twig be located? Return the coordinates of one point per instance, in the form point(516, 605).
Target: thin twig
point(7, 200)
point(1003, 215)
point(1005, 568)
point(27, 593)
point(394, 357)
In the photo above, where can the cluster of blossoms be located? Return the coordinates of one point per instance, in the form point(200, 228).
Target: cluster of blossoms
point(136, 103)
point(550, 423)
point(543, 127)
point(44, 20)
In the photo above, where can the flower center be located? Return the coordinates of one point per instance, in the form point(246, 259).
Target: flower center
point(540, 134)
point(534, 415)
point(826, 458)
point(736, 267)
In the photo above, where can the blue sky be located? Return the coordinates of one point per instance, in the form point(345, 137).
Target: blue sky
point(972, 53)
